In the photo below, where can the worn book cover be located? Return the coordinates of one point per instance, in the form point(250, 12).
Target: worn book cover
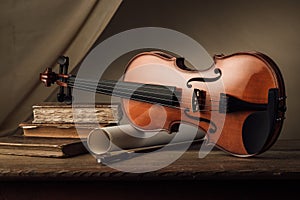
point(63, 130)
point(56, 112)
point(42, 147)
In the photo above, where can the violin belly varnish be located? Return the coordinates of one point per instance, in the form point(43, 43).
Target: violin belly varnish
point(239, 102)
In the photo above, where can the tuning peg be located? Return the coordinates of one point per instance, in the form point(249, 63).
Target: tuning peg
point(48, 77)
point(62, 60)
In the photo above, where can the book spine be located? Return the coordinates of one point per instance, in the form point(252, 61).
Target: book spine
point(58, 115)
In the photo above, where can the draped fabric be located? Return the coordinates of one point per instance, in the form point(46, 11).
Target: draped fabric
point(33, 33)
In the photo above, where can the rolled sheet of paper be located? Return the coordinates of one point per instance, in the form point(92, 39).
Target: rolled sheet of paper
point(126, 137)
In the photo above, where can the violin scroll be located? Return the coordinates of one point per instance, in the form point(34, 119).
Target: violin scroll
point(48, 77)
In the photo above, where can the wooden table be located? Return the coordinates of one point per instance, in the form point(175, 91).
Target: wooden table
point(217, 174)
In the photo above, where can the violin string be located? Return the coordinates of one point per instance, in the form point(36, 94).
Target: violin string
point(118, 92)
point(124, 90)
point(92, 90)
point(166, 105)
point(112, 84)
point(126, 85)
point(87, 88)
point(109, 91)
point(122, 83)
point(128, 91)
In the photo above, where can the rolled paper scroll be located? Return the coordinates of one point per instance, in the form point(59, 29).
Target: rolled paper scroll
point(126, 137)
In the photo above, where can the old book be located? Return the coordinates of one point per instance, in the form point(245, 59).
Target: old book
point(57, 113)
point(42, 147)
point(64, 130)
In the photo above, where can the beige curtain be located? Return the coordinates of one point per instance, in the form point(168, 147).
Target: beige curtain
point(33, 33)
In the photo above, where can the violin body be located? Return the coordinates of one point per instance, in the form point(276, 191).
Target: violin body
point(243, 96)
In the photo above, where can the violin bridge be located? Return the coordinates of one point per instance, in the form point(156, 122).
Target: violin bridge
point(198, 100)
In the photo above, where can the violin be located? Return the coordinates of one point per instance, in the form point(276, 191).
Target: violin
point(251, 101)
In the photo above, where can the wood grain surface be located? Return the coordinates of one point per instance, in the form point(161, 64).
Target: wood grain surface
point(280, 162)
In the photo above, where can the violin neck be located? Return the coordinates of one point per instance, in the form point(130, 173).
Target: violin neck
point(149, 93)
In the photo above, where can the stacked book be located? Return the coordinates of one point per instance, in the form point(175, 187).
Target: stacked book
point(58, 120)
point(59, 130)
